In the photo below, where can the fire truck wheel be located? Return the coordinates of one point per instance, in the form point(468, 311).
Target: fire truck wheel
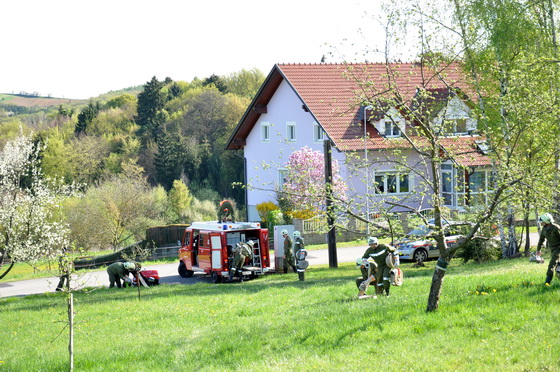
point(183, 272)
point(215, 278)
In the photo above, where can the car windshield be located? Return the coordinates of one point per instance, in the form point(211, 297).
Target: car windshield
point(419, 231)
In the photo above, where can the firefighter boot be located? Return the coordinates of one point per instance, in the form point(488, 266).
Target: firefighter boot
point(301, 276)
point(240, 275)
point(231, 275)
point(378, 290)
point(548, 279)
point(285, 270)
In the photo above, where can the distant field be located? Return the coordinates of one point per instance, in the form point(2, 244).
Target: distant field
point(35, 101)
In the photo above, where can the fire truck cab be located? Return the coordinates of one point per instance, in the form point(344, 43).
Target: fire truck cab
point(207, 247)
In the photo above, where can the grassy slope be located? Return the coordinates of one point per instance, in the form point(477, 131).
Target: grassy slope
point(278, 323)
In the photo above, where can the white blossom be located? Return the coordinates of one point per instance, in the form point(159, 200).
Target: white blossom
point(30, 224)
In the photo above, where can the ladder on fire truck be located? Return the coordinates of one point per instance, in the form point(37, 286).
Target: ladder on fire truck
point(257, 255)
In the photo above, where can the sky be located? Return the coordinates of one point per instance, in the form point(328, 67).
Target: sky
point(80, 49)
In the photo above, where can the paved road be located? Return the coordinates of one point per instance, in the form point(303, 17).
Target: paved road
point(167, 272)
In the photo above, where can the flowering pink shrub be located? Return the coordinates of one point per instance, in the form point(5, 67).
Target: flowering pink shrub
point(304, 186)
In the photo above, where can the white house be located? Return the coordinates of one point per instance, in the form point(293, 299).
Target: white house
point(303, 104)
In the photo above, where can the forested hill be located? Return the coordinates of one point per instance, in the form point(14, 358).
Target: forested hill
point(34, 102)
point(164, 137)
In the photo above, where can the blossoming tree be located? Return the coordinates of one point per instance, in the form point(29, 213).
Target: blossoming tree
point(304, 187)
point(31, 226)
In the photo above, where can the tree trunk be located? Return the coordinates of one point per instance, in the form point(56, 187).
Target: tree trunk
point(526, 223)
point(71, 331)
point(435, 289)
point(513, 246)
point(7, 270)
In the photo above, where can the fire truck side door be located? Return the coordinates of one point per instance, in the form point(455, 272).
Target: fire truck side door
point(216, 244)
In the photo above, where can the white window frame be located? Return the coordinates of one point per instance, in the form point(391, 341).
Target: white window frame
point(265, 132)
point(449, 127)
point(487, 187)
point(282, 173)
point(318, 133)
point(384, 187)
point(291, 131)
point(392, 125)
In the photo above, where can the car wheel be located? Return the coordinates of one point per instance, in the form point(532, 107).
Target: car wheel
point(420, 255)
point(215, 278)
point(183, 272)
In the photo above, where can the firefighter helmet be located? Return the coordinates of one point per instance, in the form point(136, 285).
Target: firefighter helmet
point(284, 232)
point(372, 240)
point(130, 266)
point(251, 243)
point(546, 218)
point(297, 234)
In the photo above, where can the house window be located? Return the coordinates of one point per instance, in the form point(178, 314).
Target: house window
point(452, 185)
point(480, 184)
point(282, 174)
point(392, 129)
point(265, 132)
point(456, 126)
point(291, 131)
point(318, 133)
point(391, 183)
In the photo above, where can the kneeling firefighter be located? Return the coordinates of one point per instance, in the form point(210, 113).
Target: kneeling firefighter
point(240, 253)
point(120, 271)
point(379, 253)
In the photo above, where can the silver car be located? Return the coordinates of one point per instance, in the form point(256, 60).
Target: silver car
point(419, 245)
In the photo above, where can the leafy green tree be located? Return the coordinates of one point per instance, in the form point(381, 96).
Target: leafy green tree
point(217, 82)
point(510, 78)
point(245, 83)
point(175, 90)
point(125, 99)
point(119, 210)
point(180, 199)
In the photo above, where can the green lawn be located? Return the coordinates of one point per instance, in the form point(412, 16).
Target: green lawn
point(492, 317)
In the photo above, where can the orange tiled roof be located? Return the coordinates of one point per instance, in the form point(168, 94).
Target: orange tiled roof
point(465, 151)
point(335, 93)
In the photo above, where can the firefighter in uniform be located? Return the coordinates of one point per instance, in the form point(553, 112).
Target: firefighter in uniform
point(64, 269)
point(119, 271)
point(301, 253)
point(241, 251)
point(379, 253)
point(225, 211)
point(368, 269)
point(551, 232)
point(288, 254)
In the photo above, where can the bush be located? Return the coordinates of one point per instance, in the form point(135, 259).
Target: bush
point(204, 210)
point(480, 250)
point(264, 209)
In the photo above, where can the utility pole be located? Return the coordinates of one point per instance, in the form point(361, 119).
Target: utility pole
point(331, 235)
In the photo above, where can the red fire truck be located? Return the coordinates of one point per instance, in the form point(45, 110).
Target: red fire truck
point(206, 247)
